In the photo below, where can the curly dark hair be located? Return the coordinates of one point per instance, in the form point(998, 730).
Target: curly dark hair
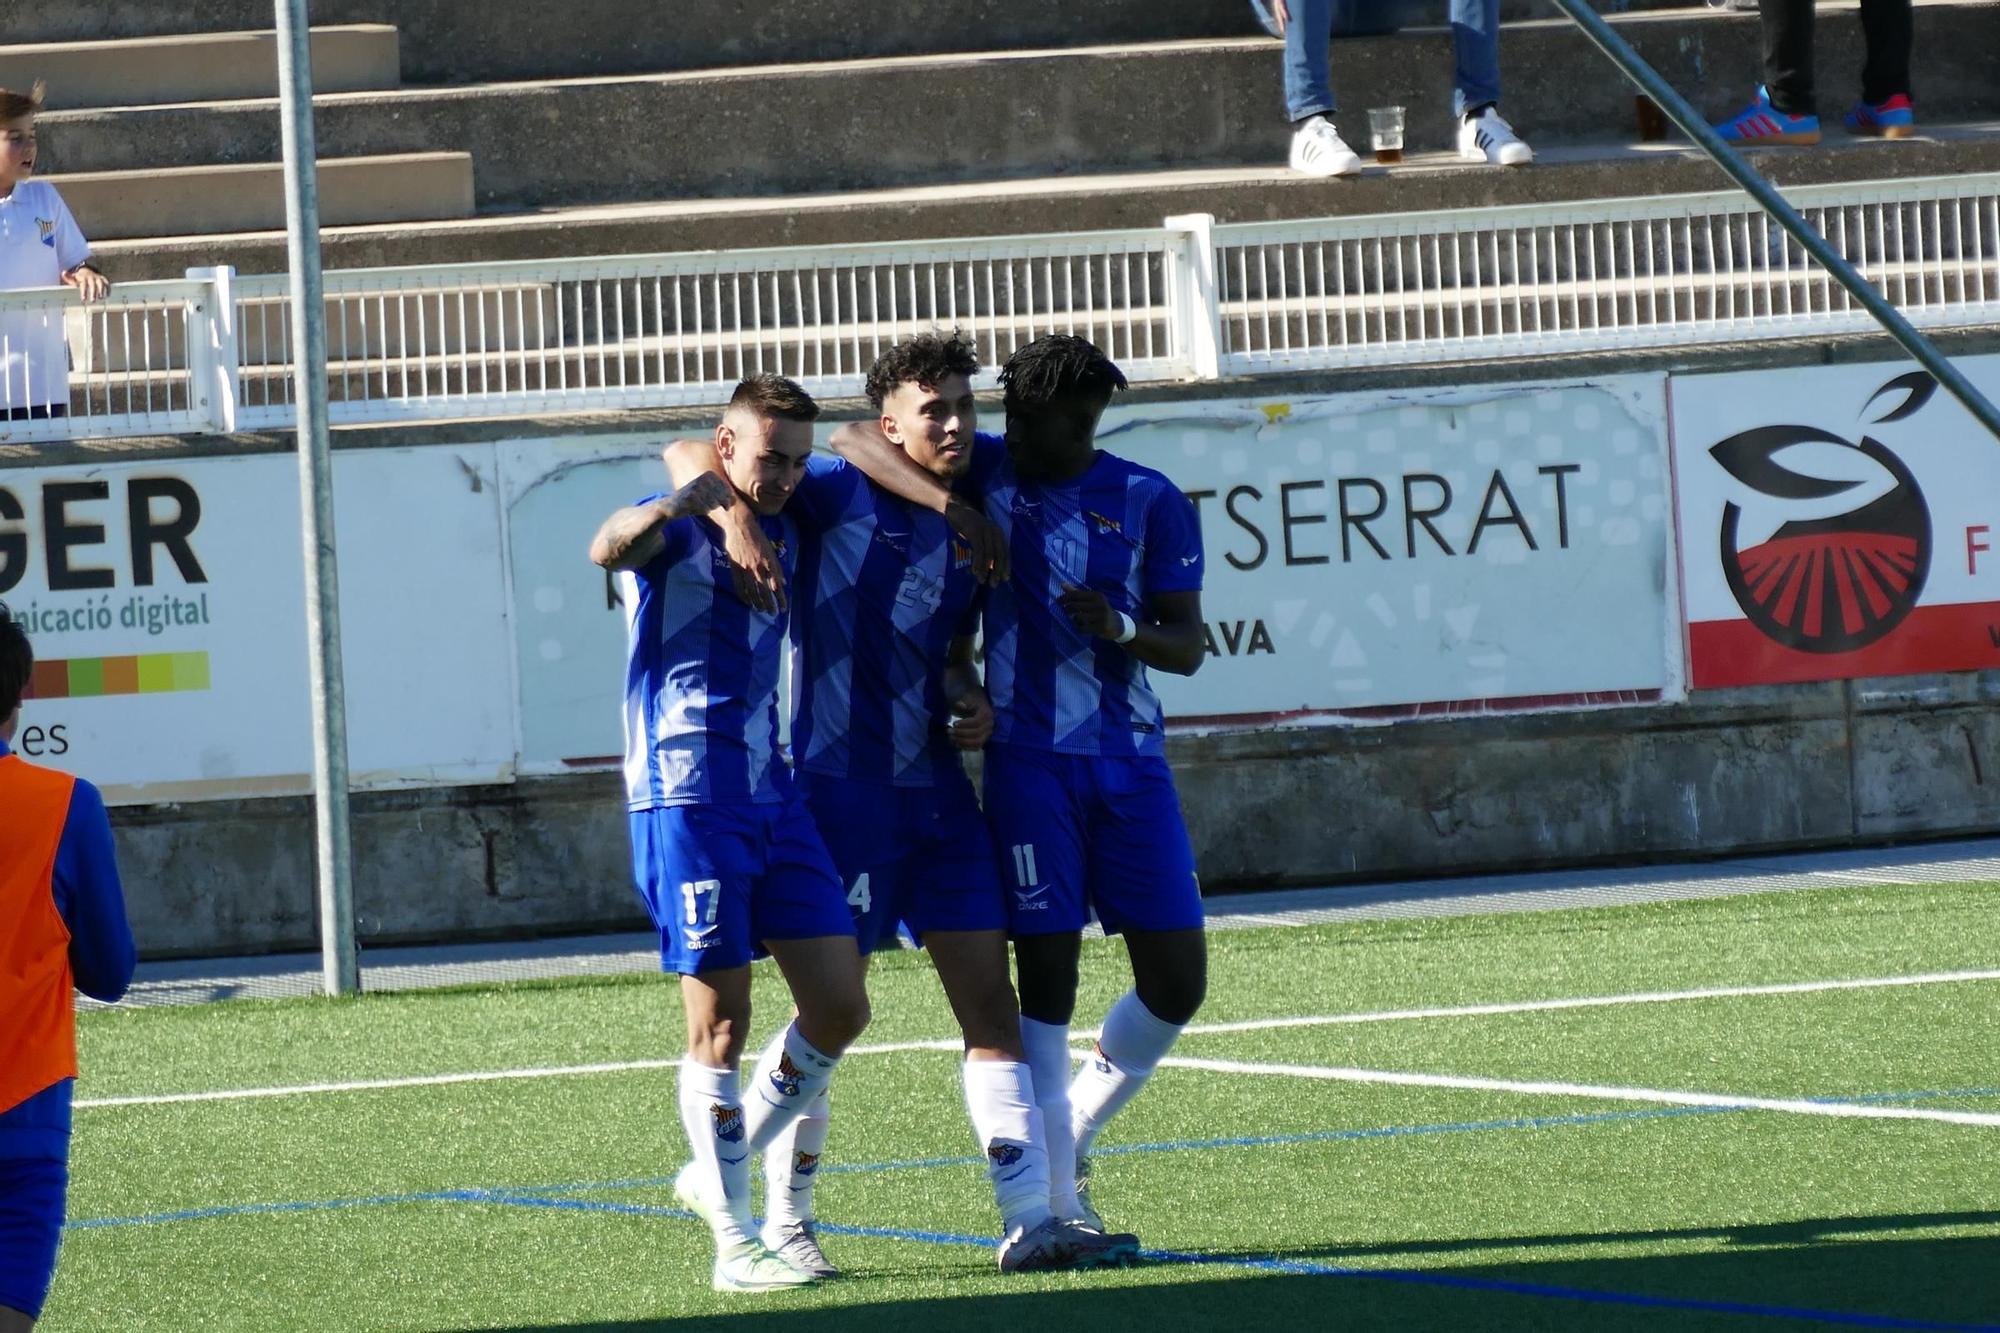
point(927, 359)
point(1058, 365)
point(17, 662)
point(774, 396)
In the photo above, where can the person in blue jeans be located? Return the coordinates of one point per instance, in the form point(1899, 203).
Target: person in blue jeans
point(1317, 148)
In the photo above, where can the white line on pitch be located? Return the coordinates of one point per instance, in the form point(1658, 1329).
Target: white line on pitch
point(1863, 877)
point(1723, 1101)
point(441, 1080)
point(890, 1048)
point(1593, 1002)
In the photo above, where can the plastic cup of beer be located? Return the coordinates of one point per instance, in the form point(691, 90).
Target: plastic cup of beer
point(1385, 133)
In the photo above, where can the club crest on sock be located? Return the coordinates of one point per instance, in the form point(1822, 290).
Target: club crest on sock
point(1103, 1061)
point(728, 1122)
point(805, 1164)
point(1004, 1154)
point(785, 1078)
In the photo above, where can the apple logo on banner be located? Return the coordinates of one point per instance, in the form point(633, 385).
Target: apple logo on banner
point(1833, 551)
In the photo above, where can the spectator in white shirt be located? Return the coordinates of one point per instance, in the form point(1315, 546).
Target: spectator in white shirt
point(40, 246)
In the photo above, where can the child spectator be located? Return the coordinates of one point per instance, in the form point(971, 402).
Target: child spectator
point(40, 246)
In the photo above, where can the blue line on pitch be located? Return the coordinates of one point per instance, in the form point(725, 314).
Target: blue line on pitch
point(505, 1195)
point(259, 1209)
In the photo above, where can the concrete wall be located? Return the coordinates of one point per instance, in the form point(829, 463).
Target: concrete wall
point(1737, 771)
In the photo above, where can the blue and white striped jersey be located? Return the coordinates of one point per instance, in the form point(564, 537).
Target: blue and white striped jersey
point(701, 678)
point(1121, 529)
point(882, 588)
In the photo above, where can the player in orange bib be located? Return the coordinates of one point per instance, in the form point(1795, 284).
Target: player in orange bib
point(62, 926)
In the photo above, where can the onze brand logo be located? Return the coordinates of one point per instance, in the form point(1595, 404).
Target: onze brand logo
point(1833, 553)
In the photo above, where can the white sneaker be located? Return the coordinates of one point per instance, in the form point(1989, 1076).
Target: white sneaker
point(797, 1243)
point(687, 1193)
point(1048, 1247)
point(1318, 150)
point(1487, 138)
point(749, 1266)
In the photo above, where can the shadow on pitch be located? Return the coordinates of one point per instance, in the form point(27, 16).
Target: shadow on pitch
point(1803, 1232)
point(1854, 1266)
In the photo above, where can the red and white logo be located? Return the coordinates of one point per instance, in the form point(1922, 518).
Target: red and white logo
point(1816, 549)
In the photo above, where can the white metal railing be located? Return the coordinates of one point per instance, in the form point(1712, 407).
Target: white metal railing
point(1596, 276)
point(1188, 300)
point(145, 361)
point(668, 330)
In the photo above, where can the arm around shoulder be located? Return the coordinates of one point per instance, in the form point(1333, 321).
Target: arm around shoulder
point(635, 536)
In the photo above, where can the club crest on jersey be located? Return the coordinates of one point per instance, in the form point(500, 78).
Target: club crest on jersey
point(961, 555)
point(805, 1163)
point(1104, 523)
point(785, 1078)
point(1004, 1154)
point(728, 1122)
point(47, 228)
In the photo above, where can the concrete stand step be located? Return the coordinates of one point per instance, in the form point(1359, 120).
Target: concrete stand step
point(801, 129)
point(201, 201)
point(210, 67)
point(1087, 202)
point(459, 41)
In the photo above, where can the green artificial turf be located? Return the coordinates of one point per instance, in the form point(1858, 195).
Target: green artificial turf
point(1273, 1200)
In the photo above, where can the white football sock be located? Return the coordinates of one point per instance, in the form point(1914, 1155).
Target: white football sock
point(789, 1076)
point(1047, 1046)
point(712, 1115)
point(791, 1165)
point(1000, 1099)
point(1133, 1044)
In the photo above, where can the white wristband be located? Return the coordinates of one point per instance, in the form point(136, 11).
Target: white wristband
point(1128, 628)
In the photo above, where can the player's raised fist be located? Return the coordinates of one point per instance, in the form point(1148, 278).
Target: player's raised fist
point(1090, 612)
point(971, 724)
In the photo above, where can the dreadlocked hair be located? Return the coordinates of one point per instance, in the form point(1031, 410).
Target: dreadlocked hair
point(1058, 365)
point(928, 359)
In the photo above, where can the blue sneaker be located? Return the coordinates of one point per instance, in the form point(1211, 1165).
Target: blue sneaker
point(1763, 123)
point(1893, 119)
